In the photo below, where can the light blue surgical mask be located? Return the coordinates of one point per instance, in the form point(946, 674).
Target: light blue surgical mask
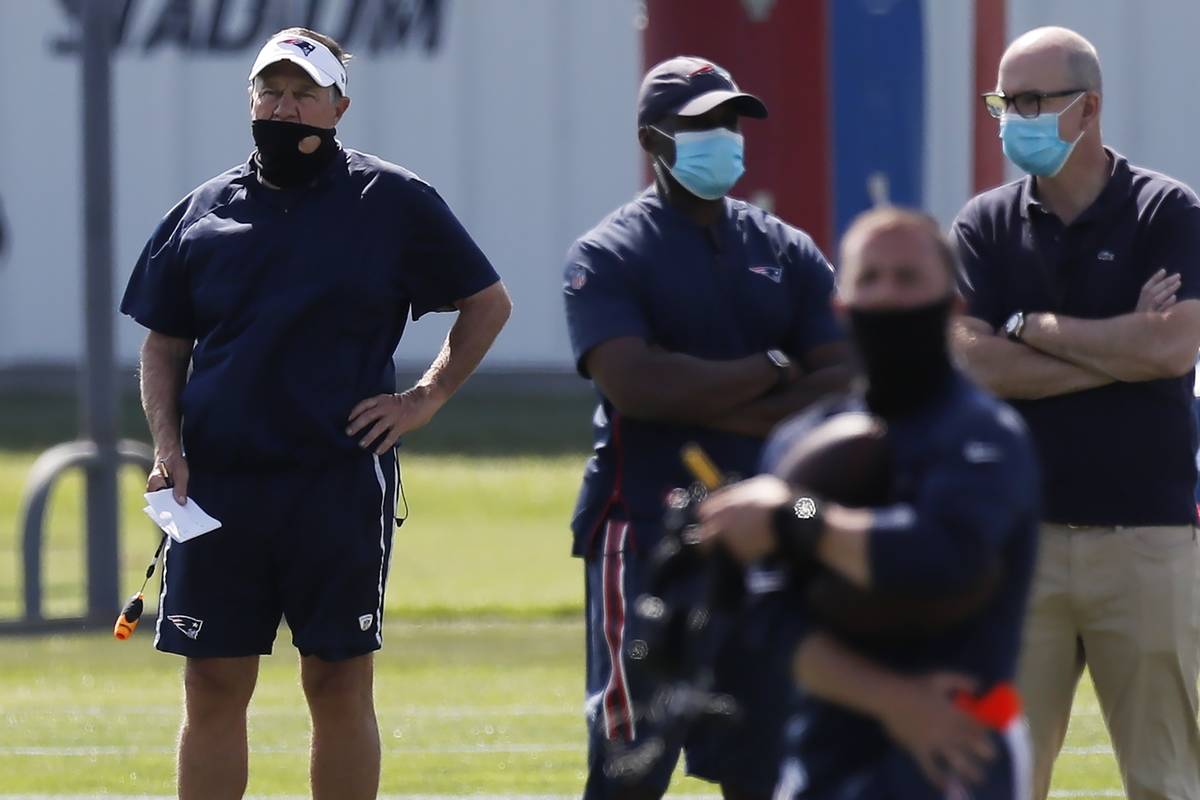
point(707, 163)
point(1034, 144)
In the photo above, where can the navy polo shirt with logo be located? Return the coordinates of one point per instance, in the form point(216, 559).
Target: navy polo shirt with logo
point(296, 300)
point(747, 284)
point(1121, 454)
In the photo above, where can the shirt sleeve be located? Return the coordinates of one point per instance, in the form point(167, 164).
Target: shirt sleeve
point(602, 302)
point(442, 263)
point(975, 273)
point(158, 294)
point(967, 507)
point(1176, 240)
point(815, 323)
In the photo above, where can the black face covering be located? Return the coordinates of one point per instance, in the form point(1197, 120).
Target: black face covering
point(904, 353)
point(279, 157)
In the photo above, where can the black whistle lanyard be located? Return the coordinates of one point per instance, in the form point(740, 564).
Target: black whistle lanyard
point(400, 498)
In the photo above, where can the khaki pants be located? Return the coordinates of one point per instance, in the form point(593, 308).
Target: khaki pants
point(1125, 602)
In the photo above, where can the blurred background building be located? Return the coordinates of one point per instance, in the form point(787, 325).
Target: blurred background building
point(521, 113)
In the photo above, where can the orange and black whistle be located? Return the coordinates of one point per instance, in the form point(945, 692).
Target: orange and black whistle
point(128, 621)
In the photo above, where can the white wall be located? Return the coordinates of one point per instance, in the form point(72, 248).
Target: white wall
point(1145, 51)
point(523, 120)
point(1147, 54)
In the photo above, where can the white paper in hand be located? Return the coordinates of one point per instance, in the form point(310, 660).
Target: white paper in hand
point(179, 522)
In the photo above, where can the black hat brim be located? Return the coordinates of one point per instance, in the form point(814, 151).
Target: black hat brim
point(747, 105)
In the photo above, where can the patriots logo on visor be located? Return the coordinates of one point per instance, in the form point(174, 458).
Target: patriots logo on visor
point(301, 45)
point(769, 272)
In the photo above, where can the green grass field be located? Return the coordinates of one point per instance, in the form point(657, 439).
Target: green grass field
point(480, 683)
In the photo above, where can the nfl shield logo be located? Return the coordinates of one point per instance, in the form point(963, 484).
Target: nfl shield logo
point(577, 278)
point(364, 622)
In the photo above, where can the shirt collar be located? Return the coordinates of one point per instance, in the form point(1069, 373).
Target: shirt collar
point(1114, 190)
point(651, 198)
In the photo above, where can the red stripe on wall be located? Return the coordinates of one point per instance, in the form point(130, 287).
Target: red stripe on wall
point(990, 38)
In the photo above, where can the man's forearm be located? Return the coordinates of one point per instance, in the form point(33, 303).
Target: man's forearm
point(164, 364)
point(480, 319)
point(1016, 371)
point(655, 385)
point(760, 416)
point(834, 673)
point(1141, 346)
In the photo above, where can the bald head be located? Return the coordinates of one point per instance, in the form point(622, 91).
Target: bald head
point(895, 258)
point(1057, 58)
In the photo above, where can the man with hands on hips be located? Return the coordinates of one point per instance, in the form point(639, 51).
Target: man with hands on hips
point(276, 294)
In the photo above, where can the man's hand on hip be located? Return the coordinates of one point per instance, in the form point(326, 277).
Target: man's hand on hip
point(384, 418)
point(945, 741)
point(170, 471)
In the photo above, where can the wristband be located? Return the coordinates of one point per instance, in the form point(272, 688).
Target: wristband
point(799, 527)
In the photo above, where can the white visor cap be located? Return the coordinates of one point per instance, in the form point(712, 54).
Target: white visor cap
point(310, 55)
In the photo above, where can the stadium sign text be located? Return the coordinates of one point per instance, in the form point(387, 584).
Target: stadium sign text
point(224, 26)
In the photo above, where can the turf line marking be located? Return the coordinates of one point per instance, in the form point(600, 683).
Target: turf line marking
point(482, 748)
point(1090, 750)
point(130, 750)
point(381, 797)
point(1056, 793)
point(420, 712)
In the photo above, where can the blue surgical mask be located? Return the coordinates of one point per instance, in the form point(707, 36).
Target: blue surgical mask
point(707, 163)
point(1034, 144)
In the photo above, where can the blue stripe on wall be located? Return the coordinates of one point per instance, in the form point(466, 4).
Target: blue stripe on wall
point(877, 95)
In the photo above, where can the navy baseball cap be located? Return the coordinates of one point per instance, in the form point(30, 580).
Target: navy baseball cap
point(688, 86)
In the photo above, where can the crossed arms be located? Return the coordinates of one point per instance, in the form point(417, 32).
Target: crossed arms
point(736, 396)
point(1058, 354)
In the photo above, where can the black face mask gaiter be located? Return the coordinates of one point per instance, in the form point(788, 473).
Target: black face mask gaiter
point(279, 156)
point(905, 354)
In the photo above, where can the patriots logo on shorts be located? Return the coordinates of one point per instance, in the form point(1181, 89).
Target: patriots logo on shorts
point(190, 626)
point(771, 273)
point(300, 44)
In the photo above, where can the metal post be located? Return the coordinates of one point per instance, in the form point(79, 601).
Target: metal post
point(98, 390)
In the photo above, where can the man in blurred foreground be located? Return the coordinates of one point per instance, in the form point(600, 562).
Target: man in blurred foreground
point(698, 318)
point(285, 283)
point(908, 715)
point(1083, 308)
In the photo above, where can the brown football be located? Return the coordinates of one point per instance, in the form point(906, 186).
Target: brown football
point(847, 460)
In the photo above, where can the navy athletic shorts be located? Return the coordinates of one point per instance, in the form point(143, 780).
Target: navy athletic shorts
point(752, 664)
point(309, 545)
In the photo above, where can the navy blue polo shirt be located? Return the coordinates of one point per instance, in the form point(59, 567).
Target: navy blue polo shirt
point(296, 300)
point(1121, 454)
point(747, 284)
point(963, 499)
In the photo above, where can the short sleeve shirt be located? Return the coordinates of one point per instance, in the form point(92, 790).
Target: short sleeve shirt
point(296, 301)
point(745, 285)
point(1121, 454)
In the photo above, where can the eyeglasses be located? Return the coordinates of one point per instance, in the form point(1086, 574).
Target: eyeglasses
point(1027, 104)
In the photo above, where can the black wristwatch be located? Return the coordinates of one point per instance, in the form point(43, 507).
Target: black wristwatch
point(783, 365)
point(1015, 326)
